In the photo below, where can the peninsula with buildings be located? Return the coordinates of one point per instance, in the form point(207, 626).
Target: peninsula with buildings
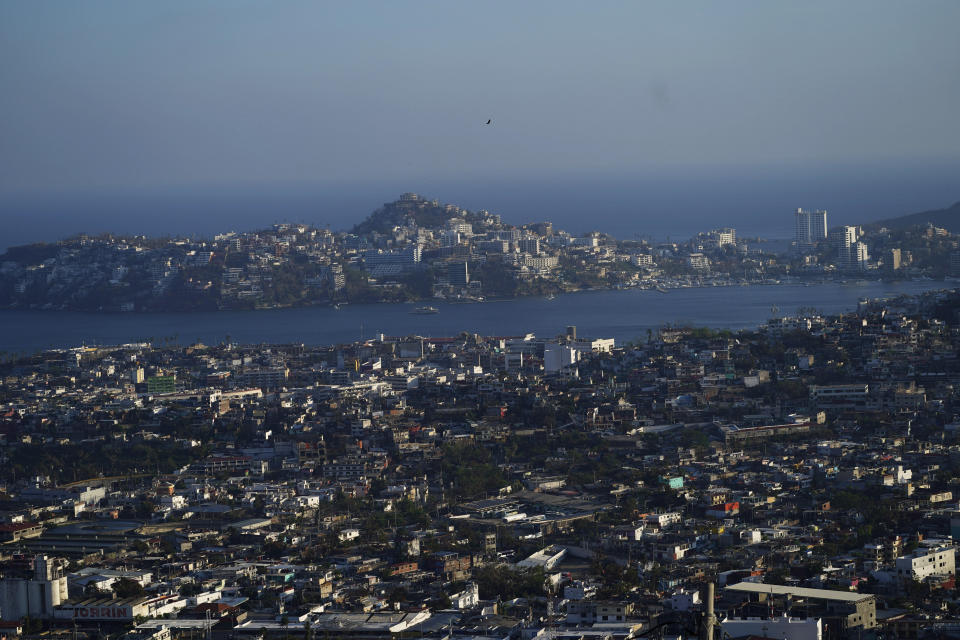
point(416, 249)
point(795, 481)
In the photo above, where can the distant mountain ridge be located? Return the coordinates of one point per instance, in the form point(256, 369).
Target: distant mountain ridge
point(948, 219)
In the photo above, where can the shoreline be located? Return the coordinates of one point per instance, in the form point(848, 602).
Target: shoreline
point(604, 313)
point(660, 287)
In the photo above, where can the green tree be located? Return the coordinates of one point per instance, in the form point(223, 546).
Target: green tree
point(127, 588)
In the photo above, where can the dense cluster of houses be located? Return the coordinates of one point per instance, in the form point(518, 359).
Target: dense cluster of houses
point(477, 486)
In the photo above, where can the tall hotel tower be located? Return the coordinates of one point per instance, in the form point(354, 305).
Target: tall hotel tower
point(810, 227)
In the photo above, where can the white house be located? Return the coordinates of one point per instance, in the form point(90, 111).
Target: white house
point(348, 534)
point(927, 562)
point(469, 597)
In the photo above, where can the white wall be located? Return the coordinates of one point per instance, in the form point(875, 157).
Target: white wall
point(783, 627)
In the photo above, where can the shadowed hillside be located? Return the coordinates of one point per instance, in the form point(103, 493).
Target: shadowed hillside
point(948, 218)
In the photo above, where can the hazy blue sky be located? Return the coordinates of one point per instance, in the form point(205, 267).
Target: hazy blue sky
point(130, 95)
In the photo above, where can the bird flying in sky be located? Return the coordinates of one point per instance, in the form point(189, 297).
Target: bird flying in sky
point(490, 120)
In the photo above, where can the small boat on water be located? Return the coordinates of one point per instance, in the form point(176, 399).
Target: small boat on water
point(551, 297)
point(425, 310)
point(660, 290)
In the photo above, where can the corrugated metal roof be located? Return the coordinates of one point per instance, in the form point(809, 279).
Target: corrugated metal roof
point(798, 592)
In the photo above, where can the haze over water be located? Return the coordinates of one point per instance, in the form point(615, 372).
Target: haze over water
point(658, 118)
point(658, 203)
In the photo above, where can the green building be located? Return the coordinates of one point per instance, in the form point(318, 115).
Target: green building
point(161, 384)
point(675, 482)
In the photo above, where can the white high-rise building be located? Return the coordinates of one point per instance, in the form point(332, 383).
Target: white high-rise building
point(851, 254)
point(725, 236)
point(461, 226)
point(810, 227)
point(529, 244)
point(450, 238)
point(859, 256)
point(843, 237)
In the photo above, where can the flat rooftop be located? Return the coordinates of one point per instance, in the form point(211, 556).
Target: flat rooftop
point(798, 592)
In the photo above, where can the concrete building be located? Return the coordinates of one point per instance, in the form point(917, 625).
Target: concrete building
point(955, 525)
point(539, 263)
point(852, 254)
point(843, 237)
point(529, 244)
point(725, 236)
point(844, 612)
point(684, 600)
point(547, 558)
point(557, 357)
point(593, 345)
point(594, 611)
point(666, 519)
point(450, 238)
point(380, 624)
point(698, 261)
point(458, 273)
point(469, 597)
point(894, 259)
point(810, 228)
point(857, 257)
point(118, 610)
point(34, 595)
point(841, 396)
point(934, 562)
point(264, 378)
point(79, 494)
point(782, 627)
point(16, 531)
point(733, 434)
point(642, 260)
point(461, 226)
point(579, 590)
point(380, 263)
point(162, 384)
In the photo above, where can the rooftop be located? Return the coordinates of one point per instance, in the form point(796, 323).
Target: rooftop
point(798, 592)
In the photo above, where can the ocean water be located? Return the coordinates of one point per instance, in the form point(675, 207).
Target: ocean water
point(623, 315)
point(660, 203)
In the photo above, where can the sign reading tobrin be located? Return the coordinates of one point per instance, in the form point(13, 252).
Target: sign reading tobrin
point(102, 613)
